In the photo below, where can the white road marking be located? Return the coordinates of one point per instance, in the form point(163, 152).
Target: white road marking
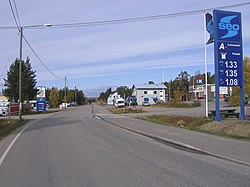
point(12, 143)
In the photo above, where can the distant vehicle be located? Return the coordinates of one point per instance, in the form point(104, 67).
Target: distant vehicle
point(226, 98)
point(119, 103)
point(145, 103)
point(3, 109)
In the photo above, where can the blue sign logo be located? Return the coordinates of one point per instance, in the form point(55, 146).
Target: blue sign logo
point(231, 28)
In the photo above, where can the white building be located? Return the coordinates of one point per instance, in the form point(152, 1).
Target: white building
point(199, 91)
point(112, 97)
point(150, 92)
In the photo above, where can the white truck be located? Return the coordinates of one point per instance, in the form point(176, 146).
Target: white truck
point(119, 103)
point(3, 109)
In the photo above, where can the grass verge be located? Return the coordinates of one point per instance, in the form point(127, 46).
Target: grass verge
point(125, 110)
point(6, 128)
point(232, 128)
point(175, 104)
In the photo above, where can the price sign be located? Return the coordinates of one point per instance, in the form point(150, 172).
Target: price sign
point(230, 64)
point(228, 48)
point(228, 55)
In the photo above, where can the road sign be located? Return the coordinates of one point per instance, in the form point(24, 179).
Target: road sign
point(228, 42)
point(41, 99)
point(228, 55)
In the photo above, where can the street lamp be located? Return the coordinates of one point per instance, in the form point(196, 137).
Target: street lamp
point(20, 63)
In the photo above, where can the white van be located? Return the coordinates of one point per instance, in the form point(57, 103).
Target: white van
point(119, 103)
point(3, 109)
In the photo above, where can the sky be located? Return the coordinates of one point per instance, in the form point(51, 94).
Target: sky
point(94, 58)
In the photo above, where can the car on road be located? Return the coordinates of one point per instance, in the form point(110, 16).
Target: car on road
point(145, 103)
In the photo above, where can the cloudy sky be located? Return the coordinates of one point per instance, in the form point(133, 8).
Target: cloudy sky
point(96, 57)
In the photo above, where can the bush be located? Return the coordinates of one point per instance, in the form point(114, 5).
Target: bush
point(196, 103)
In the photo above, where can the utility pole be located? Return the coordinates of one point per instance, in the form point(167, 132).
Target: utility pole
point(75, 94)
point(20, 64)
point(65, 94)
point(20, 74)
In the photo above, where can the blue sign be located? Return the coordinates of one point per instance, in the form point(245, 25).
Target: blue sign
point(230, 64)
point(228, 55)
point(41, 99)
point(228, 48)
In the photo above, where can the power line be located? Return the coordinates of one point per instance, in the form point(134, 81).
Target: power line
point(145, 18)
point(40, 59)
point(19, 23)
point(68, 83)
point(133, 19)
point(14, 16)
point(14, 44)
point(19, 28)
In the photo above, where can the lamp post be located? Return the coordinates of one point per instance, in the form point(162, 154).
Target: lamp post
point(20, 63)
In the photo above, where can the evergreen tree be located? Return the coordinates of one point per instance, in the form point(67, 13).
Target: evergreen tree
point(28, 81)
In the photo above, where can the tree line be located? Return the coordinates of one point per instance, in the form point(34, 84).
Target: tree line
point(178, 89)
point(53, 95)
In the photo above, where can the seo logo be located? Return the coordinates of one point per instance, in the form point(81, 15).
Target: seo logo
point(232, 29)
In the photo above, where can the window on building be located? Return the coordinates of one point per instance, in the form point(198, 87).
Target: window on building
point(145, 92)
point(155, 92)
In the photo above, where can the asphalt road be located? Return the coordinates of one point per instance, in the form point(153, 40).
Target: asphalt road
point(71, 148)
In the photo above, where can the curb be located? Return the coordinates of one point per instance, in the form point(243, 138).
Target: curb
point(173, 143)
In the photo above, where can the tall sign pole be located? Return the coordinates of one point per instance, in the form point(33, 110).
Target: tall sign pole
point(228, 55)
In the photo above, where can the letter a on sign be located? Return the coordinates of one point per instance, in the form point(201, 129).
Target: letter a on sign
point(222, 46)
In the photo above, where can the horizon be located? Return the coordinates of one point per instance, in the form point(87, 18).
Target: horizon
point(96, 57)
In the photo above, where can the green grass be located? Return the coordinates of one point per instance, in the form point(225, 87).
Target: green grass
point(178, 121)
point(125, 110)
point(7, 127)
point(231, 128)
point(174, 104)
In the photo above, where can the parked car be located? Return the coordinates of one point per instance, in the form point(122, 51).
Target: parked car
point(3, 109)
point(119, 103)
point(145, 103)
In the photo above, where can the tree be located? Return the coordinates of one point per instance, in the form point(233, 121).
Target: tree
point(80, 97)
point(183, 84)
point(124, 90)
point(235, 99)
point(28, 81)
point(54, 97)
point(104, 95)
point(70, 95)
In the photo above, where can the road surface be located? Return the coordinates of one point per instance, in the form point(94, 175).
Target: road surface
point(71, 148)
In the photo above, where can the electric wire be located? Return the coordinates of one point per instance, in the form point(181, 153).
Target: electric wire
point(68, 84)
point(133, 19)
point(8, 60)
point(145, 18)
point(19, 23)
point(19, 29)
point(14, 16)
point(40, 59)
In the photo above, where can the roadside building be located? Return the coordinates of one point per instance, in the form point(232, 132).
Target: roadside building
point(199, 91)
point(112, 97)
point(3, 99)
point(149, 92)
